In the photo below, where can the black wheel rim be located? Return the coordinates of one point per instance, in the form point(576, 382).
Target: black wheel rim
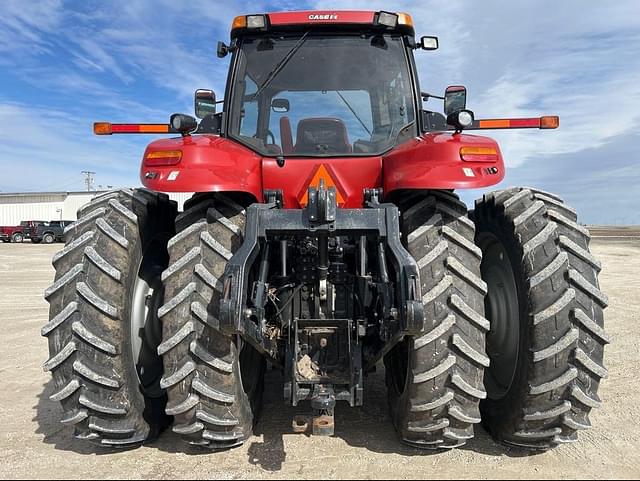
point(503, 311)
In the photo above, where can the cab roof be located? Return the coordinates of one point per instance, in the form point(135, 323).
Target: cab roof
point(323, 20)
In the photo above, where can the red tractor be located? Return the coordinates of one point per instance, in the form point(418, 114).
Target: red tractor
point(324, 238)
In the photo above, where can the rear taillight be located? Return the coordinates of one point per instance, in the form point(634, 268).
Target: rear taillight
point(163, 157)
point(479, 154)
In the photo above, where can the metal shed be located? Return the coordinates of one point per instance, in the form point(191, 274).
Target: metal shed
point(46, 206)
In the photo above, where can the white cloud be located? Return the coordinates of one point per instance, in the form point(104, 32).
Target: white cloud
point(44, 148)
point(23, 25)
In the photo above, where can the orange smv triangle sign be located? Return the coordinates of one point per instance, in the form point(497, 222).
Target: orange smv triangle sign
point(321, 173)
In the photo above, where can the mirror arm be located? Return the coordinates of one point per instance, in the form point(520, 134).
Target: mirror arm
point(427, 96)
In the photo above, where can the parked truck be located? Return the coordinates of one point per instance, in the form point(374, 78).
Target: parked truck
point(326, 238)
point(20, 232)
point(50, 232)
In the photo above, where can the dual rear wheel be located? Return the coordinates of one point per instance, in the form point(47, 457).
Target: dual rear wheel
point(133, 339)
point(103, 329)
point(537, 334)
point(513, 335)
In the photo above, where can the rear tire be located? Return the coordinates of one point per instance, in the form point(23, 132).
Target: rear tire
point(214, 382)
point(17, 238)
point(103, 330)
point(48, 239)
point(548, 325)
point(434, 380)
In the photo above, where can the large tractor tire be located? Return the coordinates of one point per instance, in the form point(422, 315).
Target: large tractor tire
point(435, 380)
point(214, 382)
point(547, 339)
point(103, 330)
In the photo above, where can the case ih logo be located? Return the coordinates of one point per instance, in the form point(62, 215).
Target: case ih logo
point(324, 17)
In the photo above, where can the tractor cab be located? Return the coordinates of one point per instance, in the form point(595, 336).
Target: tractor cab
point(303, 84)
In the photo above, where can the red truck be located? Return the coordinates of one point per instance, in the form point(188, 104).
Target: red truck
point(19, 233)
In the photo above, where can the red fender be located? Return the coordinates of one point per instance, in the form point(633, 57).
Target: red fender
point(433, 161)
point(209, 164)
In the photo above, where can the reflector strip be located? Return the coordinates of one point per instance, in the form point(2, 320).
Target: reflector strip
point(140, 128)
point(106, 128)
point(494, 124)
point(548, 122)
point(524, 123)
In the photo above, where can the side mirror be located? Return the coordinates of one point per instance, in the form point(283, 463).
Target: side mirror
point(280, 105)
point(223, 50)
point(205, 103)
point(429, 43)
point(455, 99)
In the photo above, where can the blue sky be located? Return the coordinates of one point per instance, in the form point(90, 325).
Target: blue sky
point(64, 64)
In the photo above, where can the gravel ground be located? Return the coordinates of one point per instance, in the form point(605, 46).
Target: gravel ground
point(33, 444)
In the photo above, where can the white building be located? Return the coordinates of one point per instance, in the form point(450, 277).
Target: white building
point(46, 206)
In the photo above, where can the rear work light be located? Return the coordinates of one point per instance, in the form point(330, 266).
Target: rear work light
point(479, 154)
point(253, 22)
point(256, 21)
point(163, 157)
point(387, 19)
point(392, 20)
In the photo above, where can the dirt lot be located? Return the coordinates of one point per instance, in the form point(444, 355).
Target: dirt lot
point(34, 445)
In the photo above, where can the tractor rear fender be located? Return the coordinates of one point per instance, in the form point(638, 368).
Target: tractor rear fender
point(435, 161)
point(201, 163)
